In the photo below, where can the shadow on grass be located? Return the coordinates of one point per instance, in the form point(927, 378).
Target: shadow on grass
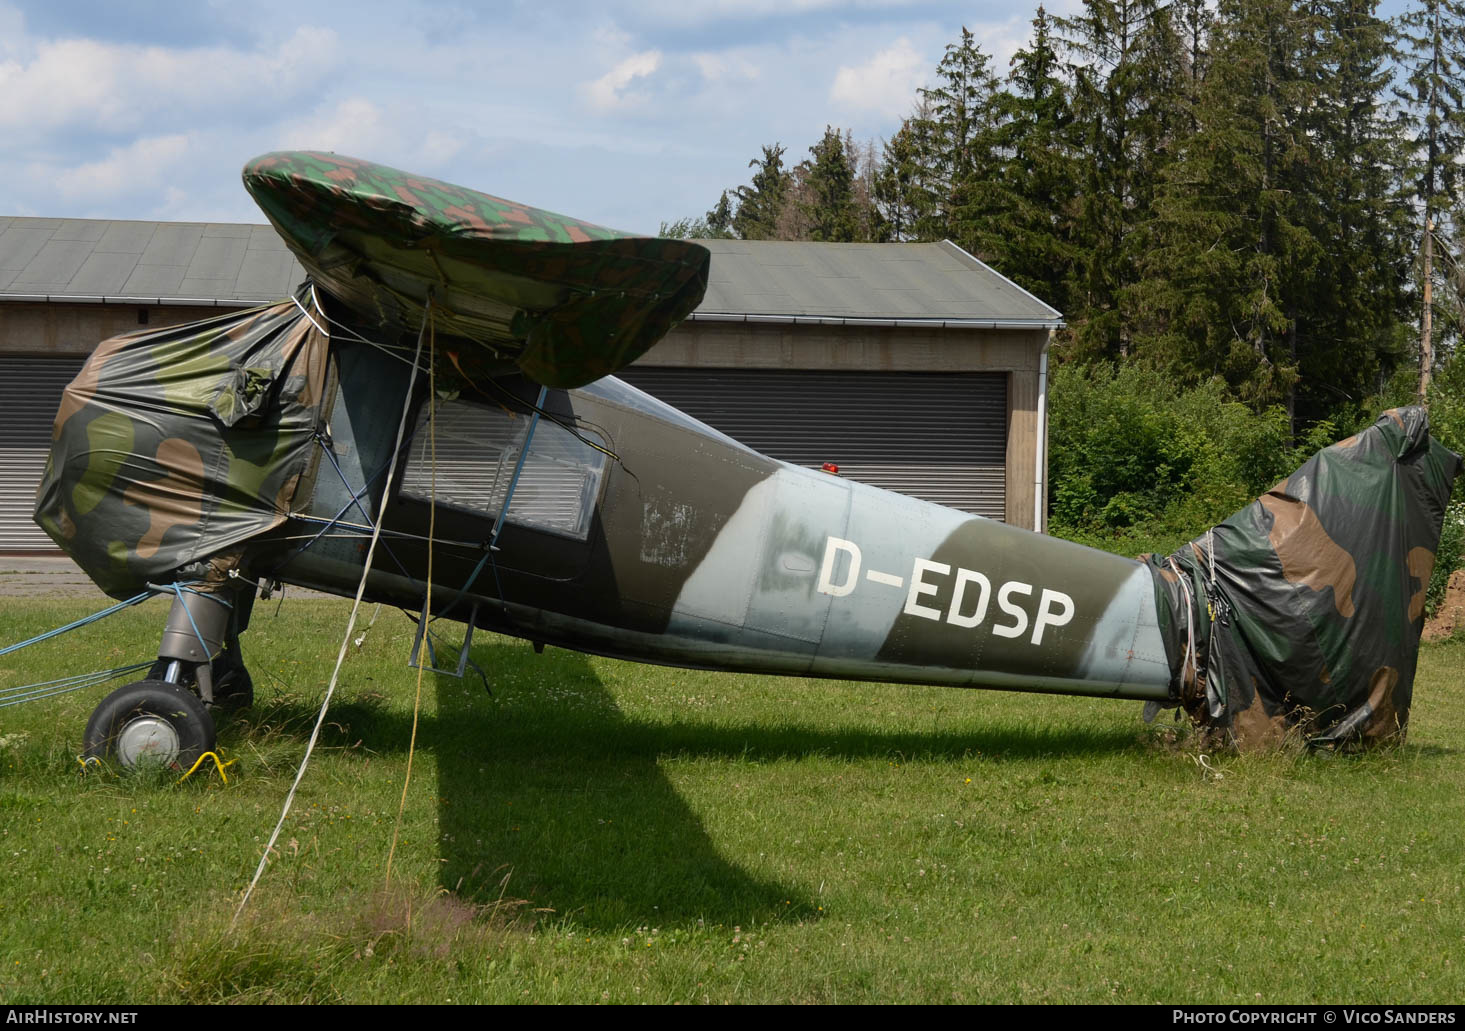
point(549, 792)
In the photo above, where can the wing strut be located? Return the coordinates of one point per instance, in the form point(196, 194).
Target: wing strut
point(414, 660)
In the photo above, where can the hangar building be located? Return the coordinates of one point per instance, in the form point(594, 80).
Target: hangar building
point(914, 367)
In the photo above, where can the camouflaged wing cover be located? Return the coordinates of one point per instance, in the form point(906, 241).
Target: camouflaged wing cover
point(566, 302)
point(173, 446)
point(1306, 607)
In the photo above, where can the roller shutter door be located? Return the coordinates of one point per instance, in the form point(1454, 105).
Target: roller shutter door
point(941, 437)
point(30, 393)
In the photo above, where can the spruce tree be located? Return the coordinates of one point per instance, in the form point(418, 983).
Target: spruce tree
point(1343, 332)
point(956, 136)
point(719, 219)
point(902, 190)
point(1125, 58)
point(1432, 38)
point(761, 202)
point(828, 199)
point(1230, 250)
point(1027, 233)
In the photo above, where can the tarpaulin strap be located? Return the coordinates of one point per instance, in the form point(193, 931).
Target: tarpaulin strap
point(48, 688)
point(1218, 611)
point(307, 314)
point(325, 445)
point(1189, 662)
point(347, 331)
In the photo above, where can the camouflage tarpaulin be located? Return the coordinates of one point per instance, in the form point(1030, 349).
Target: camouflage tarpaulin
point(173, 446)
point(565, 301)
point(1304, 609)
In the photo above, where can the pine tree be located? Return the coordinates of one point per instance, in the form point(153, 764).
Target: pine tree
point(828, 200)
point(1432, 35)
point(1231, 253)
point(1027, 233)
point(902, 192)
point(719, 219)
point(1345, 330)
point(760, 202)
point(1130, 65)
point(956, 137)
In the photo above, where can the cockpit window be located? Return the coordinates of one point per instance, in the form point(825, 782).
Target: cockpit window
point(477, 448)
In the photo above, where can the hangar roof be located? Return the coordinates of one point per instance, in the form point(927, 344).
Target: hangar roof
point(207, 263)
point(225, 264)
point(921, 283)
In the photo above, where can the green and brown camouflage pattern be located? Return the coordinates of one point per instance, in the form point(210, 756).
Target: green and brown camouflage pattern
point(1309, 603)
point(172, 447)
point(562, 301)
point(192, 451)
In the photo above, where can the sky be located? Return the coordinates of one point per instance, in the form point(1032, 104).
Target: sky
point(626, 114)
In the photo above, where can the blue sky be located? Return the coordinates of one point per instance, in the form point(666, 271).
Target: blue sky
point(626, 114)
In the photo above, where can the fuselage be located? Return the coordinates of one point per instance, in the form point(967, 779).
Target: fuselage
point(635, 531)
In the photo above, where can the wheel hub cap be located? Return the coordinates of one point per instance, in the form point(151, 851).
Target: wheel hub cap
point(147, 739)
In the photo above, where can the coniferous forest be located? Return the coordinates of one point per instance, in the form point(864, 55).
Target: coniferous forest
point(1249, 212)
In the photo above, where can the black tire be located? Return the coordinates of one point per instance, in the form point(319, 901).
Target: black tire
point(233, 688)
point(150, 721)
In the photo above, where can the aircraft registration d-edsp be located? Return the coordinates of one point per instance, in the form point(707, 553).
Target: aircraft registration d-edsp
point(569, 508)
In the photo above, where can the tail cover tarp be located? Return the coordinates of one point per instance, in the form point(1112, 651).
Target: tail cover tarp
point(173, 446)
point(1304, 609)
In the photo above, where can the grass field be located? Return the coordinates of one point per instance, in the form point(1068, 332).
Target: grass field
point(602, 831)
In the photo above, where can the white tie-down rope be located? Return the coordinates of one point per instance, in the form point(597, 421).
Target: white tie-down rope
point(350, 624)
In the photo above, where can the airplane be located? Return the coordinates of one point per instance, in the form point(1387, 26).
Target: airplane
point(441, 390)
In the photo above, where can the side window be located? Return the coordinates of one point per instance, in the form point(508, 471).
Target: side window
point(477, 449)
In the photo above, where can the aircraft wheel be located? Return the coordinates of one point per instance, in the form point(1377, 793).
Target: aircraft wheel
point(233, 688)
point(151, 722)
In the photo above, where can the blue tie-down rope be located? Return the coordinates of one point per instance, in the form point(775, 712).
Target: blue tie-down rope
point(144, 596)
point(48, 688)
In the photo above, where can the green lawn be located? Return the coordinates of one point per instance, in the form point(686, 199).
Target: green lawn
point(598, 830)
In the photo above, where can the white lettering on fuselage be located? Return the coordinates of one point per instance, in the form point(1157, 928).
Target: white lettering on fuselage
point(971, 592)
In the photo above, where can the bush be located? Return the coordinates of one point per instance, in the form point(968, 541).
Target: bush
point(1130, 450)
point(1448, 557)
point(1140, 464)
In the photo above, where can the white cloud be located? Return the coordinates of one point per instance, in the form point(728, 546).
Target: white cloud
point(352, 126)
point(716, 67)
point(141, 167)
point(886, 84)
point(606, 92)
point(439, 147)
point(119, 87)
point(402, 135)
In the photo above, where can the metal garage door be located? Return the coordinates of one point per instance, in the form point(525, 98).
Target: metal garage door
point(937, 436)
point(30, 393)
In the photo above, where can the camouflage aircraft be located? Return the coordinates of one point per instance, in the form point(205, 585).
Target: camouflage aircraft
point(443, 381)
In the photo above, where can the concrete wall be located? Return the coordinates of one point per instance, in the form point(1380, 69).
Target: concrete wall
point(725, 345)
point(32, 328)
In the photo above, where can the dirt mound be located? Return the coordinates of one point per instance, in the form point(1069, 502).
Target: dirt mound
point(1450, 616)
